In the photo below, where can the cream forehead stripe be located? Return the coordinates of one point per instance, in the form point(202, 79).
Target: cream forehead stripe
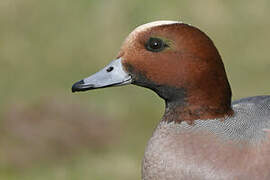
point(132, 36)
point(156, 23)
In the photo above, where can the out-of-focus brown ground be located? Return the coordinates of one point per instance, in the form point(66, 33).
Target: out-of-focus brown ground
point(51, 129)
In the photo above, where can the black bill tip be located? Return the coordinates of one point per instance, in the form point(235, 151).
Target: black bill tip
point(77, 86)
point(80, 86)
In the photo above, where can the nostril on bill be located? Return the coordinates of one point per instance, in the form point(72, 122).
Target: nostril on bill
point(109, 69)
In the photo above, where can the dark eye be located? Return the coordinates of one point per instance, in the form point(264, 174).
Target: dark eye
point(155, 45)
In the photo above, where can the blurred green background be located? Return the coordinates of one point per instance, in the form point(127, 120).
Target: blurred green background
point(46, 132)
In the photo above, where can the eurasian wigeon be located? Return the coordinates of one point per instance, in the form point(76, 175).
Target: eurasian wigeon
point(202, 135)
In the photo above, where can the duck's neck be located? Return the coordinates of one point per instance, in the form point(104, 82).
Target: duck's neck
point(191, 108)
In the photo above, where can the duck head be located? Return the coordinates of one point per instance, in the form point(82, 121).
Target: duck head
point(177, 61)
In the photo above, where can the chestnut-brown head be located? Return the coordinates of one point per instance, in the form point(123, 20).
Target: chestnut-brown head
point(182, 65)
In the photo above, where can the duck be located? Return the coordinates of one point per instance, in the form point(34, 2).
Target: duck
point(202, 135)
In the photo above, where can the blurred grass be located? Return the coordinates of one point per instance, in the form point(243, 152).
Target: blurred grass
point(45, 46)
